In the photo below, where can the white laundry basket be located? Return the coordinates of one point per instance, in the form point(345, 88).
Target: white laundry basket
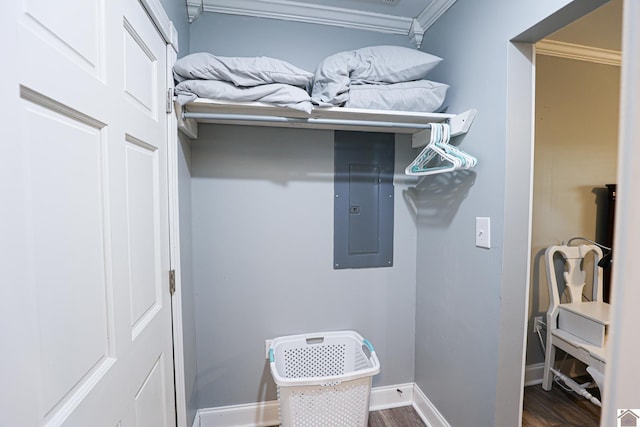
point(324, 379)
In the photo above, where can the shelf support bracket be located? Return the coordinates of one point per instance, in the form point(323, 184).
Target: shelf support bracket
point(460, 124)
point(416, 33)
point(189, 127)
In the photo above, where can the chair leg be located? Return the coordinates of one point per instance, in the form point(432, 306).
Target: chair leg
point(549, 360)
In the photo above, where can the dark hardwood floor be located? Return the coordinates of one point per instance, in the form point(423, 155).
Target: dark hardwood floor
point(405, 416)
point(557, 408)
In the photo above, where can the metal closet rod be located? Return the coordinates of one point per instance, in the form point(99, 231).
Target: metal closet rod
point(295, 120)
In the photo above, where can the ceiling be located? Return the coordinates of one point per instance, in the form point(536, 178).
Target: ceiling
point(408, 17)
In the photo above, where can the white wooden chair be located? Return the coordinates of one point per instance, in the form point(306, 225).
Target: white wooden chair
point(578, 326)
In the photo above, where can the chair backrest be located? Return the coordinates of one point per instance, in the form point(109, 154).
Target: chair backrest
point(574, 274)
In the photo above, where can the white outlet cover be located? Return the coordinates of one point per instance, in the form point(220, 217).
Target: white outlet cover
point(267, 345)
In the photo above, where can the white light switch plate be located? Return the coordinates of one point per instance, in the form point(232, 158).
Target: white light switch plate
point(483, 232)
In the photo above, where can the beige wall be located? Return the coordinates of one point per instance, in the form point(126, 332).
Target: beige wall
point(575, 155)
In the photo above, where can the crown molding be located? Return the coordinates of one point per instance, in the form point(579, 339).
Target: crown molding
point(416, 33)
point(326, 15)
point(427, 18)
point(579, 52)
point(433, 11)
point(311, 13)
point(194, 9)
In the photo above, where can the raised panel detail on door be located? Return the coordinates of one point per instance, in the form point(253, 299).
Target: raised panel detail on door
point(141, 71)
point(82, 41)
point(144, 252)
point(69, 243)
point(149, 400)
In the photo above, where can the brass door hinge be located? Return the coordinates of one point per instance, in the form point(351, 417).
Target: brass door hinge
point(172, 281)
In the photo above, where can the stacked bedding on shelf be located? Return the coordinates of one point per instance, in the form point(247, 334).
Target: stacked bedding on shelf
point(263, 79)
point(379, 77)
point(376, 77)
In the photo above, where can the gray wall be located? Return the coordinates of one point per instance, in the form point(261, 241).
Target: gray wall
point(263, 224)
point(468, 345)
point(303, 45)
point(263, 260)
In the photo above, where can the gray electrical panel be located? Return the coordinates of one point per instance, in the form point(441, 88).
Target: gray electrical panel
point(363, 203)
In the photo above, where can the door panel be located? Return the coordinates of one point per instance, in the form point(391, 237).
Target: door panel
point(150, 404)
point(79, 40)
point(67, 161)
point(94, 207)
point(141, 71)
point(144, 245)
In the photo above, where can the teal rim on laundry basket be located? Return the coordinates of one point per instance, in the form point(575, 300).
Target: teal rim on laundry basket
point(270, 355)
point(368, 344)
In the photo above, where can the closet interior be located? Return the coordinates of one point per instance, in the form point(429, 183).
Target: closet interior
point(257, 183)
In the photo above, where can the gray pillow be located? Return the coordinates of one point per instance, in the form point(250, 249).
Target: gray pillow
point(421, 95)
point(241, 71)
point(331, 81)
point(375, 64)
point(279, 94)
point(392, 64)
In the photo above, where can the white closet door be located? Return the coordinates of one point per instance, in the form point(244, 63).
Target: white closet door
point(91, 331)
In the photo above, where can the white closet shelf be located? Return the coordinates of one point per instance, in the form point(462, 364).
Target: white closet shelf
point(333, 118)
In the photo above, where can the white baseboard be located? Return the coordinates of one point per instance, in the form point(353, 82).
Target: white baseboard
point(249, 415)
point(533, 374)
point(266, 413)
point(393, 396)
point(427, 410)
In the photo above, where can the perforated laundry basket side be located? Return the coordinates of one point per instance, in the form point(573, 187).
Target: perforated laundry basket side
point(324, 379)
point(321, 360)
point(339, 405)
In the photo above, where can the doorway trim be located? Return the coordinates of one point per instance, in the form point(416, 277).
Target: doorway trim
point(517, 231)
point(520, 133)
point(622, 376)
point(168, 31)
point(624, 349)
